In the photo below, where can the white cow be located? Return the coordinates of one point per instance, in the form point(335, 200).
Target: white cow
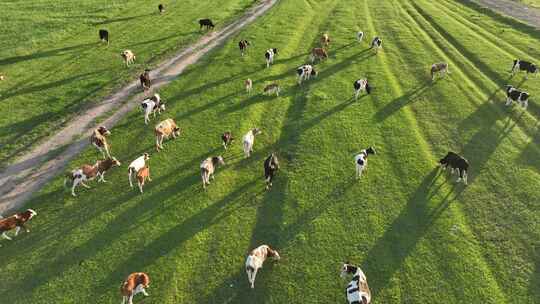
point(256, 259)
point(248, 141)
point(136, 165)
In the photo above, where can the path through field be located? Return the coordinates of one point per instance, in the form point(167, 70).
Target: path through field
point(30, 172)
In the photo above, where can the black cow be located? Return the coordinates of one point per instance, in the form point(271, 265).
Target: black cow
point(104, 36)
point(271, 165)
point(161, 8)
point(206, 23)
point(243, 45)
point(513, 94)
point(227, 139)
point(145, 80)
point(456, 162)
point(521, 65)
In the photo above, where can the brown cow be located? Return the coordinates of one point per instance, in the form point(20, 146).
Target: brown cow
point(142, 176)
point(16, 222)
point(98, 140)
point(318, 53)
point(145, 80)
point(165, 129)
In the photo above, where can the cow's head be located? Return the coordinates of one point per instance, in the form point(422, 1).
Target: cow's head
point(347, 268)
point(314, 72)
point(371, 150)
point(275, 51)
point(31, 213)
point(524, 96)
point(516, 62)
point(444, 161)
point(256, 131)
point(274, 254)
point(509, 88)
point(162, 106)
point(219, 160)
point(146, 156)
point(115, 162)
point(368, 87)
point(176, 131)
point(104, 131)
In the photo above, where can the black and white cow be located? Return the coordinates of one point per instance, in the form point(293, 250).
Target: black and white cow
point(269, 55)
point(161, 8)
point(376, 43)
point(359, 36)
point(271, 165)
point(227, 138)
point(456, 162)
point(513, 94)
point(151, 106)
point(521, 65)
point(243, 45)
point(305, 72)
point(206, 23)
point(360, 160)
point(361, 85)
point(104, 36)
point(357, 291)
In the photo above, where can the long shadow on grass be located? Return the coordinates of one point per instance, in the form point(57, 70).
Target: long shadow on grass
point(395, 105)
point(43, 54)
point(122, 19)
point(530, 156)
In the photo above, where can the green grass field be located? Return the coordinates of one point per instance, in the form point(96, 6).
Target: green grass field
point(55, 66)
point(418, 236)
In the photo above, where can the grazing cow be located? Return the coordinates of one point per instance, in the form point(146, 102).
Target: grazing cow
point(164, 129)
point(142, 176)
point(360, 160)
point(521, 65)
point(357, 291)
point(243, 45)
point(440, 68)
point(256, 259)
point(208, 167)
point(16, 222)
point(305, 72)
point(271, 89)
point(456, 162)
point(98, 139)
point(269, 56)
point(360, 85)
point(152, 105)
point(136, 166)
point(134, 284)
point(249, 85)
point(249, 140)
point(145, 80)
point(2, 77)
point(376, 43)
point(161, 8)
point(89, 172)
point(104, 36)
point(271, 165)
point(318, 53)
point(206, 23)
point(325, 40)
point(513, 94)
point(227, 139)
point(360, 36)
point(129, 57)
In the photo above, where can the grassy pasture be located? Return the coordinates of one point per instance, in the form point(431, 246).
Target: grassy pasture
point(55, 67)
point(419, 237)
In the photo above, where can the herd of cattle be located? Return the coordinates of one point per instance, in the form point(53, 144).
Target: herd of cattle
point(357, 291)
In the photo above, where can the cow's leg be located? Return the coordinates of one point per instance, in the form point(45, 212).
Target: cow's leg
point(124, 298)
point(460, 175)
point(130, 299)
point(525, 104)
point(253, 277)
point(144, 292)
point(129, 177)
point(465, 177)
point(146, 118)
point(356, 93)
point(508, 101)
point(141, 184)
point(75, 183)
point(4, 235)
point(17, 230)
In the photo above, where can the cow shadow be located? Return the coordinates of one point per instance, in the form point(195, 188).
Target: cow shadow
point(122, 19)
point(44, 54)
point(395, 105)
point(529, 157)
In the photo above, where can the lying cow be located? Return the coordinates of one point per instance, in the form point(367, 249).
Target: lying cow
point(360, 36)
point(376, 43)
point(144, 78)
point(134, 284)
point(360, 160)
point(227, 139)
point(513, 94)
point(208, 168)
point(455, 162)
point(165, 129)
point(521, 65)
point(206, 23)
point(248, 140)
point(161, 8)
point(361, 85)
point(271, 165)
point(104, 36)
point(440, 68)
point(89, 172)
point(249, 85)
point(305, 72)
point(325, 40)
point(357, 291)
point(255, 261)
point(243, 45)
point(16, 221)
point(128, 56)
point(152, 105)
point(318, 54)
point(98, 139)
point(136, 165)
point(269, 56)
point(272, 88)
point(142, 176)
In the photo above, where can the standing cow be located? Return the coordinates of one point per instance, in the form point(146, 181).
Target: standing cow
point(207, 23)
point(227, 138)
point(249, 140)
point(17, 222)
point(440, 68)
point(318, 54)
point(104, 36)
point(360, 160)
point(269, 56)
point(522, 65)
point(243, 45)
point(456, 162)
point(144, 78)
point(98, 139)
point(136, 166)
point(255, 261)
point(357, 291)
point(152, 105)
point(134, 284)
point(376, 44)
point(513, 94)
point(359, 86)
point(208, 168)
point(165, 129)
point(128, 56)
point(271, 166)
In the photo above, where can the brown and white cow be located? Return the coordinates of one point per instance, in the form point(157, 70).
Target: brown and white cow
point(272, 88)
point(2, 77)
point(136, 165)
point(249, 85)
point(165, 129)
point(134, 284)
point(208, 168)
point(325, 40)
point(128, 56)
point(89, 172)
point(227, 139)
point(256, 259)
point(440, 68)
point(142, 176)
point(152, 105)
point(16, 221)
point(98, 140)
point(318, 53)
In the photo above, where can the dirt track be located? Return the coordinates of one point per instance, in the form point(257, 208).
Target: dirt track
point(30, 172)
point(514, 9)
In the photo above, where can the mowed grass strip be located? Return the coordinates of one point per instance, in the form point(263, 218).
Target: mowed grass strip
point(55, 66)
point(418, 236)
